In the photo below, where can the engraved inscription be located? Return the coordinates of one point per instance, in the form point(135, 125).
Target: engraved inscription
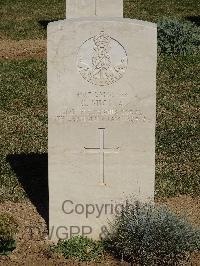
point(102, 150)
point(124, 115)
point(102, 60)
point(95, 98)
point(98, 106)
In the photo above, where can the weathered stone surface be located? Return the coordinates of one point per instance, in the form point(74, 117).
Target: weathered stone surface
point(102, 113)
point(90, 8)
point(80, 8)
point(109, 8)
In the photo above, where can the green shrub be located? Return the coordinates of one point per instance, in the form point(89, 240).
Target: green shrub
point(178, 38)
point(148, 235)
point(8, 229)
point(80, 248)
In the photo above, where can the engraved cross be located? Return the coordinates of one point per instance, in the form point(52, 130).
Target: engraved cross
point(101, 150)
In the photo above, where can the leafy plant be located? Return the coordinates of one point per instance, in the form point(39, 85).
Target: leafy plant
point(149, 235)
point(178, 38)
point(8, 229)
point(80, 248)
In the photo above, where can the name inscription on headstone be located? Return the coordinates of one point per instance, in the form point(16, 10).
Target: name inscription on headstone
point(87, 102)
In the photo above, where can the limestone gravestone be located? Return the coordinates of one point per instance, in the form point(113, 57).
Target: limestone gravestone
point(102, 112)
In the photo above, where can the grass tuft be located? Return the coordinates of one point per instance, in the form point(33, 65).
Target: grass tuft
point(80, 249)
point(8, 229)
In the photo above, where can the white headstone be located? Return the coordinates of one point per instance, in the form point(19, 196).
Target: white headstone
point(89, 8)
point(102, 113)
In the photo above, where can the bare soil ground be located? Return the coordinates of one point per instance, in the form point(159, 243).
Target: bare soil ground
point(32, 241)
point(24, 49)
point(184, 205)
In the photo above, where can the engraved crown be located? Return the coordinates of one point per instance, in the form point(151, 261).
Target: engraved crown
point(102, 39)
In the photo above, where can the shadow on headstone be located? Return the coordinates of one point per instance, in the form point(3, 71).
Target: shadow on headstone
point(44, 23)
point(32, 172)
point(194, 19)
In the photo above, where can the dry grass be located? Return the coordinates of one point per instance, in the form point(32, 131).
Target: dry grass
point(152, 10)
point(177, 134)
point(23, 49)
point(27, 19)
